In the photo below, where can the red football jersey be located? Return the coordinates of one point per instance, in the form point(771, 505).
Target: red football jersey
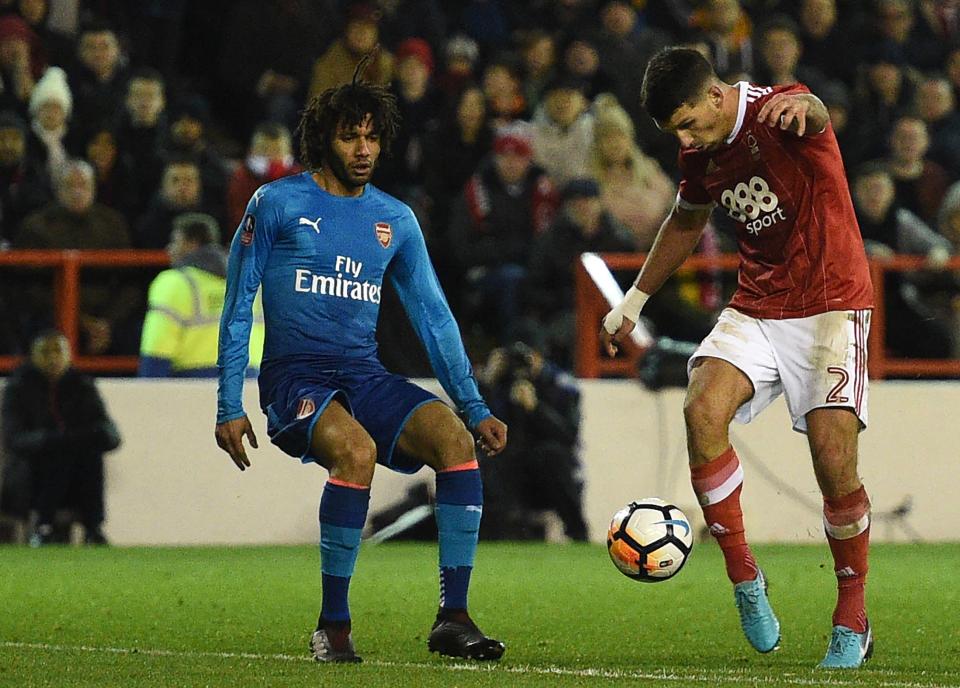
point(800, 247)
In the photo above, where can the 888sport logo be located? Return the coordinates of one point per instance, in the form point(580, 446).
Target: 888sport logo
point(754, 204)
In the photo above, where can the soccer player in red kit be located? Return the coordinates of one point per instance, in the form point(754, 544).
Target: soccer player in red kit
point(797, 324)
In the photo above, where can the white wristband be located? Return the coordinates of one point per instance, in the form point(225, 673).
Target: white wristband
point(629, 308)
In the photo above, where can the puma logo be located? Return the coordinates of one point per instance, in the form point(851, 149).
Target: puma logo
point(315, 224)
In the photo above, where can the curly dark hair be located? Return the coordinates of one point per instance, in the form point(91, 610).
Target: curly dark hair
point(674, 76)
point(346, 106)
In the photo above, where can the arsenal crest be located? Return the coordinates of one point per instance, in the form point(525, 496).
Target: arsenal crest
point(306, 408)
point(246, 230)
point(384, 233)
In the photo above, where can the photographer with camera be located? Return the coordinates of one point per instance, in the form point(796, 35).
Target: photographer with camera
point(540, 469)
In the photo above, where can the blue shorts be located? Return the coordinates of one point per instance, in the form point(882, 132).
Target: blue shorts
point(294, 395)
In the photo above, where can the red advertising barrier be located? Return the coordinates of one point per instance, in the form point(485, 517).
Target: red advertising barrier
point(591, 306)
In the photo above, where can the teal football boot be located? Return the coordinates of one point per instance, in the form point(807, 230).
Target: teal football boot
point(848, 649)
point(757, 619)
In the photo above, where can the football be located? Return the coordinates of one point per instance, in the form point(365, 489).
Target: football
point(649, 540)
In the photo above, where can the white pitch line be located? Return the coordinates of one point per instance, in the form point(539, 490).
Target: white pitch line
point(707, 677)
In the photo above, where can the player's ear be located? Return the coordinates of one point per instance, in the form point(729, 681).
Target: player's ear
point(715, 95)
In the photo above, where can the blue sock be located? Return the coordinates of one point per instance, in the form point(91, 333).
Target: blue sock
point(458, 511)
point(343, 510)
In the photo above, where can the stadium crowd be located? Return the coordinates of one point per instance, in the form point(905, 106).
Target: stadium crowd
point(522, 142)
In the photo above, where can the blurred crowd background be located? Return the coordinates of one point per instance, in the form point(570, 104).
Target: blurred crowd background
point(523, 143)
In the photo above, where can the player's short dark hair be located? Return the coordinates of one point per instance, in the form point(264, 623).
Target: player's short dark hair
point(674, 76)
point(346, 106)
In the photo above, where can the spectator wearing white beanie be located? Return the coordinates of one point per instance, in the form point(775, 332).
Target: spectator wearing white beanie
point(50, 106)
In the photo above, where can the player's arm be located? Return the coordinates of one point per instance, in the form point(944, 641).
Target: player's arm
point(801, 113)
point(419, 290)
point(678, 237)
point(248, 255)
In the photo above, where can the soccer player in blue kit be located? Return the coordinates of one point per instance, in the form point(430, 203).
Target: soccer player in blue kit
point(320, 244)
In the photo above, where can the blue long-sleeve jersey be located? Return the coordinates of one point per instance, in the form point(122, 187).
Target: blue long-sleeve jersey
point(321, 260)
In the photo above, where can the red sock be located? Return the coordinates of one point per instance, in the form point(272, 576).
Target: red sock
point(846, 521)
point(717, 485)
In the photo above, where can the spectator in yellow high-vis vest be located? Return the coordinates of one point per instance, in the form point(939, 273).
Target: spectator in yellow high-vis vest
point(184, 303)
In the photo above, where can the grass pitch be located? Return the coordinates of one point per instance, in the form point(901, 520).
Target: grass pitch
point(242, 617)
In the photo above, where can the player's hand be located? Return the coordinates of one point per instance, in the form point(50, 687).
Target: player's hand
point(786, 110)
point(493, 435)
point(622, 327)
point(622, 318)
point(230, 439)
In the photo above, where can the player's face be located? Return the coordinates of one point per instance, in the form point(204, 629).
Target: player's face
point(355, 150)
point(700, 125)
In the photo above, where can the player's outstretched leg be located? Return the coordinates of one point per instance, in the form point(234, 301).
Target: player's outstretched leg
point(717, 485)
point(846, 521)
point(343, 510)
point(832, 434)
point(458, 511)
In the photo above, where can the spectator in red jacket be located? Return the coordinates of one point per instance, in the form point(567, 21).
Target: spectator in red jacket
point(503, 207)
point(269, 157)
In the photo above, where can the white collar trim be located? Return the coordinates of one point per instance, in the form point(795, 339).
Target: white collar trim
point(741, 111)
